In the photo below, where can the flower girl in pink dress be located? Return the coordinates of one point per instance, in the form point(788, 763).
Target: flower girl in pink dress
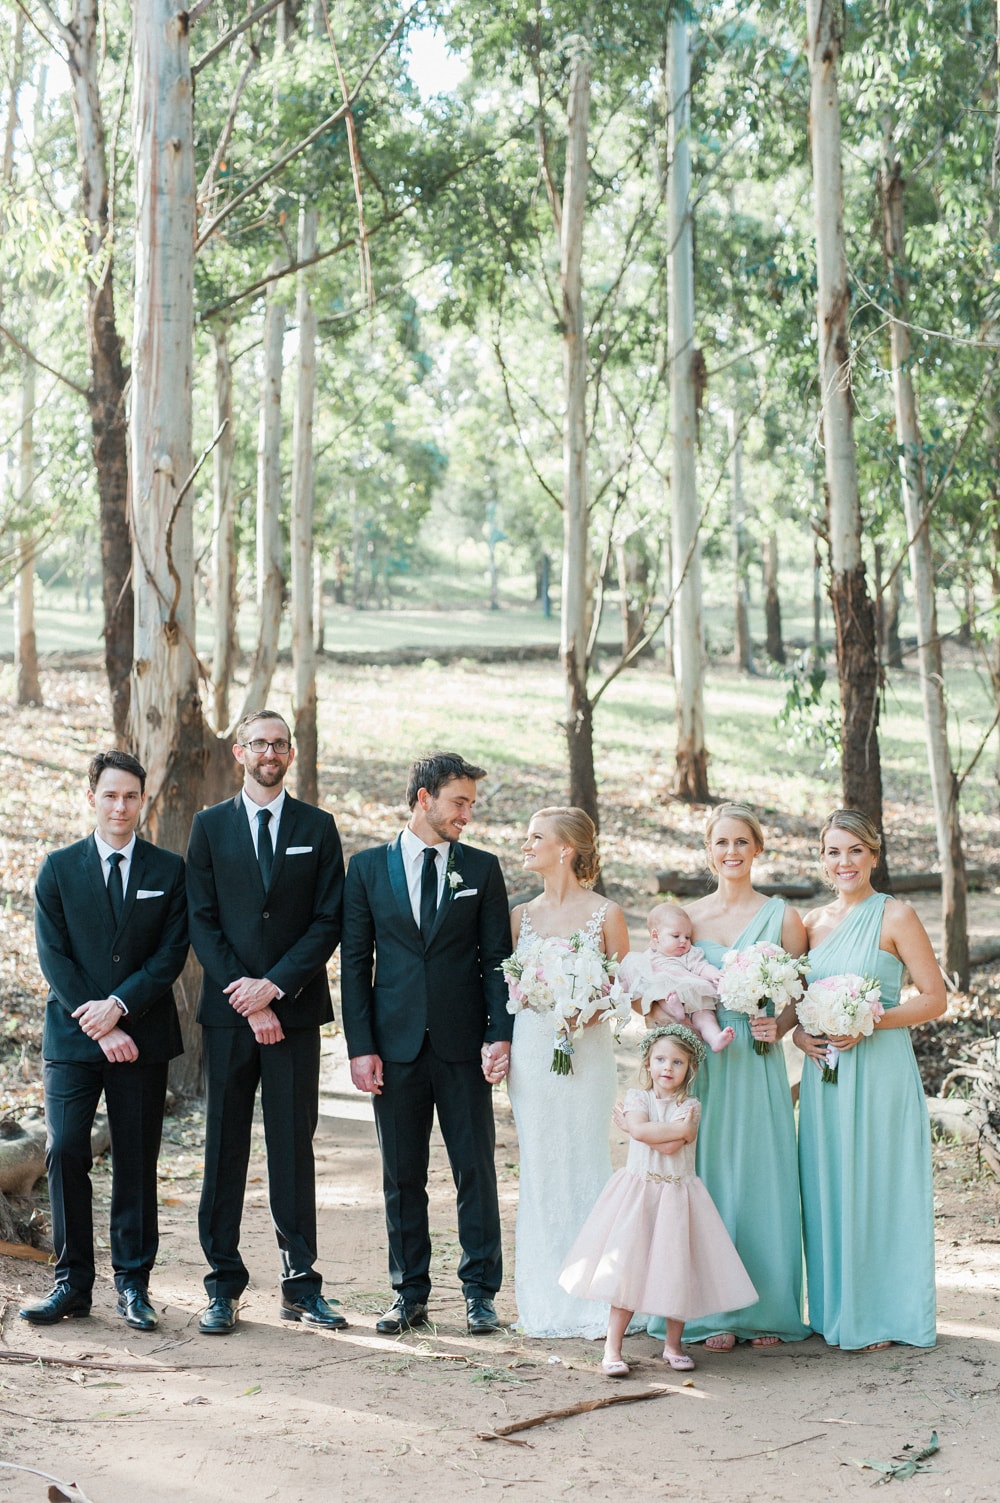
point(676, 975)
point(654, 1240)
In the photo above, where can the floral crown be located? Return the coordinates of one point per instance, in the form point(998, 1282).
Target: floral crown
point(675, 1031)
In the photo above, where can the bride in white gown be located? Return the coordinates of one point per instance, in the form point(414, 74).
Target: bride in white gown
point(563, 1121)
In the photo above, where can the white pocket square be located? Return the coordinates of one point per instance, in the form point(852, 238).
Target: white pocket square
point(298, 850)
point(147, 892)
point(465, 892)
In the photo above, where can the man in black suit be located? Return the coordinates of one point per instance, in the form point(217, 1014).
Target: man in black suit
point(426, 925)
point(265, 883)
point(111, 930)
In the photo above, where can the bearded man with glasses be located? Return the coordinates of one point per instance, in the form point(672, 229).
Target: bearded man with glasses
point(266, 880)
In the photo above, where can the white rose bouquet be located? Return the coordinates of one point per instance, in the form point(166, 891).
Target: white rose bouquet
point(845, 1006)
point(571, 980)
point(760, 974)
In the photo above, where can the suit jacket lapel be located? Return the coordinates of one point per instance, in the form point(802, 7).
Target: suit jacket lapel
point(289, 815)
point(98, 886)
point(136, 869)
point(397, 881)
point(244, 847)
point(447, 897)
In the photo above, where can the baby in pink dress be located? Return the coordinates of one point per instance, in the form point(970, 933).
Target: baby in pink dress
point(676, 975)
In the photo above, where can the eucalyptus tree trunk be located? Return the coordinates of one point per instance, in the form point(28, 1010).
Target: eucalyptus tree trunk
point(270, 576)
point(108, 375)
point(29, 689)
point(691, 773)
point(319, 616)
point(857, 650)
point(773, 640)
point(223, 540)
point(893, 610)
point(576, 604)
point(741, 605)
point(166, 719)
point(668, 620)
point(912, 471)
point(303, 645)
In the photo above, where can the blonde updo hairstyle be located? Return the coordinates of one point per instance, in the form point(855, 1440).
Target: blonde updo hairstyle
point(745, 815)
point(577, 828)
point(852, 822)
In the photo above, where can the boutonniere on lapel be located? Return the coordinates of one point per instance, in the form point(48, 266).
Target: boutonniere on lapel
point(454, 878)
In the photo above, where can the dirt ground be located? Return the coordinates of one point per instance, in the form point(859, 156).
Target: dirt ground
point(278, 1412)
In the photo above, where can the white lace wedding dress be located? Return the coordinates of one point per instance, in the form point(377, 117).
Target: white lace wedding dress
point(563, 1129)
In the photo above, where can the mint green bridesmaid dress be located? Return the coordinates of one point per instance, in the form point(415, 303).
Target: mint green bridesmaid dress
point(865, 1166)
point(747, 1159)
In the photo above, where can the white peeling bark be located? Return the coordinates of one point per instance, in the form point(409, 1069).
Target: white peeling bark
point(270, 574)
point(166, 719)
point(223, 541)
point(691, 772)
point(303, 491)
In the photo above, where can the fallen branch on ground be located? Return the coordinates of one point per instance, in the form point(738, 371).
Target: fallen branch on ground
point(62, 1492)
point(749, 1455)
point(502, 1431)
point(104, 1367)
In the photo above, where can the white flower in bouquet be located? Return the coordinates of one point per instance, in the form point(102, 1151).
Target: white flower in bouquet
point(571, 980)
point(845, 1006)
point(760, 974)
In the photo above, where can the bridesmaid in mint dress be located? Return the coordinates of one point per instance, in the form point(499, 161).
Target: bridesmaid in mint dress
point(864, 1143)
point(746, 1147)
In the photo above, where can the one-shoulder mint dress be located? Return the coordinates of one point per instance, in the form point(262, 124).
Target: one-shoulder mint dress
point(746, 1157)
point(865, 1166)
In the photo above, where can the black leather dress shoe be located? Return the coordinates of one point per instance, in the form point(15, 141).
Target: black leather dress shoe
point(402, 1315)
point(135, 1309)
point(481, 1317)
point(313, 1310)
point(61, 1302)
point(219, 1318)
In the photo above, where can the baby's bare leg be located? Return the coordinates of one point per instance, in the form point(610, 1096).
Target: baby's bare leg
point(675, 1008)
point(706, 1024)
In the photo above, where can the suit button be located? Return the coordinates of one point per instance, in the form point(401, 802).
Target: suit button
point(265, 915)
point(116, 959)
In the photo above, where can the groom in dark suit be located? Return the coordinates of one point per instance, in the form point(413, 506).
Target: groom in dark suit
point(426, 926)
point(265, 881)
point(111, 929)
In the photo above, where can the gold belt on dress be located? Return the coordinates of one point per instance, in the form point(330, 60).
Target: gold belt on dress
point(669, 1179)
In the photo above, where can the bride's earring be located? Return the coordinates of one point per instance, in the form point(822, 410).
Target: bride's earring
point(562, 857)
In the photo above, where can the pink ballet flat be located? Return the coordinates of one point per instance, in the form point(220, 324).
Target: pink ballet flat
point(614, 1369)
point(680, 1362)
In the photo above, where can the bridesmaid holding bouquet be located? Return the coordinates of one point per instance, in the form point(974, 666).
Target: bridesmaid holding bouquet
point(746, 1152)
point(864, 1138)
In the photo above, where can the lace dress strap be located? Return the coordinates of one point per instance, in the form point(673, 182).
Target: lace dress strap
point(592, 928)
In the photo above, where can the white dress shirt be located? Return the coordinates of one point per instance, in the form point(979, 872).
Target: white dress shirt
point(413, 865)
point(125, 864)
point(252, 810)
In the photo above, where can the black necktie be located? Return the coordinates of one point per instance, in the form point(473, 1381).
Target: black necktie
point(265, 848)
point(116, 892)
point(428, 891)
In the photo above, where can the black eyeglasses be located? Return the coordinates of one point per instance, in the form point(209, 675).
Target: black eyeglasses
point(280, 748)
